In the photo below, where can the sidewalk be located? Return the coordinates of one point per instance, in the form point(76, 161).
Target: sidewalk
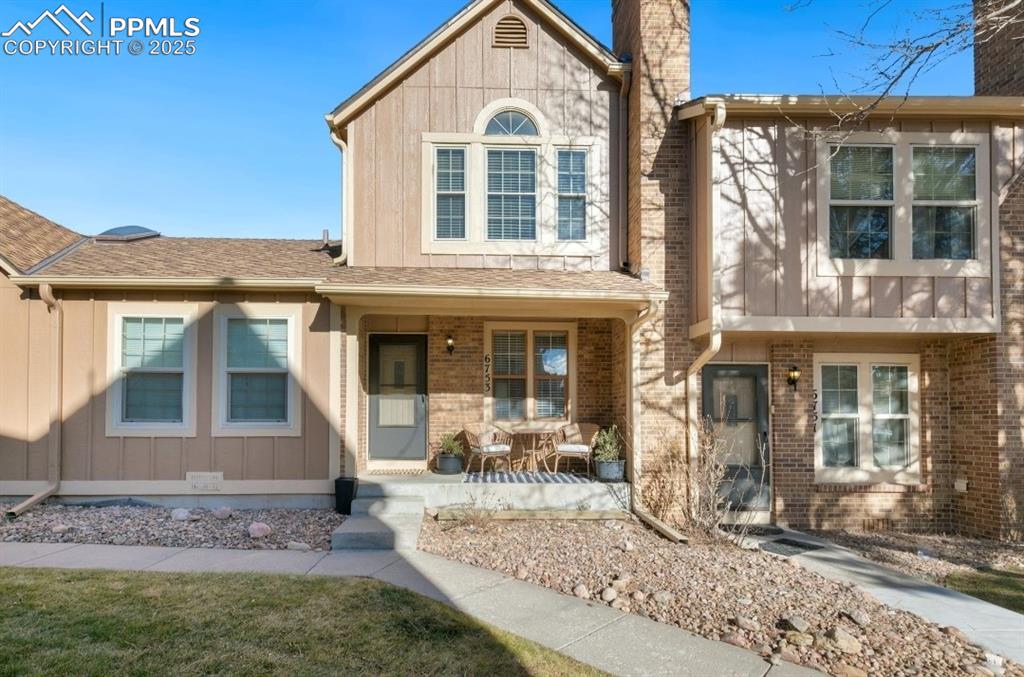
point(611, 640)
point(997, 629)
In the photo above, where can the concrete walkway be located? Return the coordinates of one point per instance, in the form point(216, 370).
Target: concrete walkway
point(997, 629)
point(611, 640)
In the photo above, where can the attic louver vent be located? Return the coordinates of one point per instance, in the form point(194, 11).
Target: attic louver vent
point(510, 31)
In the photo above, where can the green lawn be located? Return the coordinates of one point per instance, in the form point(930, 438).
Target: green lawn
point(100, 623)
point(1005, 588)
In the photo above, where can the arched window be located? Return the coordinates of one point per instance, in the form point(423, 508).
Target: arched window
point(511, 123)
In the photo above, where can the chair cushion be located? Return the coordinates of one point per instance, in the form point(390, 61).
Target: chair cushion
point(572, 434)
point(495, 449)
point(573, 449)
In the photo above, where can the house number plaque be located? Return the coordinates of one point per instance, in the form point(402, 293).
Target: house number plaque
point(487, 374)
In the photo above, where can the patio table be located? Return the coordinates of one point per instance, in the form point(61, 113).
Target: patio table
point(538, 439)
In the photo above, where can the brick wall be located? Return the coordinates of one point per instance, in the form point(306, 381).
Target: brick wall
point(454, 382)
point(595, 381)
point(999, 59)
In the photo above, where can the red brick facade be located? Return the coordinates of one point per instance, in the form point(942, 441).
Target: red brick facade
point(999, 60)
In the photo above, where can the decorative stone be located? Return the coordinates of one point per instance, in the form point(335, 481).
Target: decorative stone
point(223, 512)
point(799, 638)
point(298, 545)
point(639, 596)
point(581, 591)
point(796, 623)
point(609, 594)
point(735, 639)
point(859, 617)
point(844, 641)
point(180, 515)
point(621, 603)
point(744, 601)
point(431, 513)
point(789, 654)
point(627, 546)
point(844, 670)
point(522, 572)
point(664, 597)
point(60, 529)
point(621, 581)
point(744, 623)
point(979, 670)
point(259, 530)
point(956, 633)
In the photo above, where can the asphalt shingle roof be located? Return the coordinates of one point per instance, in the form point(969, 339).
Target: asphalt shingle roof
point(26, 238)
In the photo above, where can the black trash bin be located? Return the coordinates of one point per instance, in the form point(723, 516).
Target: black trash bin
point(344, 492)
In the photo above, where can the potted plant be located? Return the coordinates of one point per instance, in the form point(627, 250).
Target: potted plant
point(607, 456)
point(449, 455)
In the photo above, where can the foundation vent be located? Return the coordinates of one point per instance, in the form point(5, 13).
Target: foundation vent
point(510, 31)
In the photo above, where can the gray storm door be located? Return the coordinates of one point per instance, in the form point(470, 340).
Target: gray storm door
point(735, 398)
point(398, 397)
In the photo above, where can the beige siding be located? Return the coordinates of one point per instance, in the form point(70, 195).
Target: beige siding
point(768, 229)
point(89, 454)
point(445, 95)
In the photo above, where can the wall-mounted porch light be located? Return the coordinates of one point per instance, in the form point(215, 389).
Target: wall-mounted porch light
point(794, 376)
point(450, 344)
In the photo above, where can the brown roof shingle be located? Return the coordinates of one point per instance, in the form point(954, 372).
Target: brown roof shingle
point(26, 238)
point(196, 257)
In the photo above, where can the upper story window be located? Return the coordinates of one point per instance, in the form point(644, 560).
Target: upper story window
point(511, 194)
point(572, 195)
point(450, 213)
point(861, 202)
point(511, 123)
point(945, 202)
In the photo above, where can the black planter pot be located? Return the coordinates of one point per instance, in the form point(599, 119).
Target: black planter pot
point(344, 492)
point(611, 471)
point(448, 464)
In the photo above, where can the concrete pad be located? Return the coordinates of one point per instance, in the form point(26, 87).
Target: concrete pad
point(119, 557)
point(536, 613)
point(354, 562)
point(18, 553)
point(438, 578)
point(634, 645)
point(249, 561)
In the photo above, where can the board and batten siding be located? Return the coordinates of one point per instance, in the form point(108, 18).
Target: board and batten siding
point(767, 229)
point(445, 95)
point(88, 453)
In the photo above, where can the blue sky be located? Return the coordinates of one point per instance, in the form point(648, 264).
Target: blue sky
point(231, 141)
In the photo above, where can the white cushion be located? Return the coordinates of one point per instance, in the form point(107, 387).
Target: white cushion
point(573, 449)
point(495, 449)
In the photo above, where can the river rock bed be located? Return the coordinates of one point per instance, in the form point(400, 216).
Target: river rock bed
point(195, 527)
point(715, 589)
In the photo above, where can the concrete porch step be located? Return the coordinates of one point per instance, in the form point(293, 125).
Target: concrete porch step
point(378, 532)
point(388, 505)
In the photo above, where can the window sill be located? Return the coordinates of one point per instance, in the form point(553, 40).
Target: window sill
point(170, 430)
point(874, 477)
point(224, 429)
point(881, 488)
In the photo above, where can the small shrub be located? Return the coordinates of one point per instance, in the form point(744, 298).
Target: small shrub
point(450, 445)
point(608, 447)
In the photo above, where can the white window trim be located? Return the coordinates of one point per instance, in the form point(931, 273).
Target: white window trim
point(585, 195)
point(536, 192)
point(220, 425)
point(546, 145)
point(115, 425)
point(865, 471)
point(902, 262)
point(530, 422)
point(435, 192)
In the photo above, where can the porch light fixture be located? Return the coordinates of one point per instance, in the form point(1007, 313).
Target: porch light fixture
point(450, 344)
point(794, 376)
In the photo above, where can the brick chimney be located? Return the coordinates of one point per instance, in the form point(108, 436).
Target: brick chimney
point(655, 36)
point(998, 55)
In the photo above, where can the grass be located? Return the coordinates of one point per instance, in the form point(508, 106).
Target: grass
point(99, 623)
point(998, 586)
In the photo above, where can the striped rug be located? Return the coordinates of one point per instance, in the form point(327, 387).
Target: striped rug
point(522, 477)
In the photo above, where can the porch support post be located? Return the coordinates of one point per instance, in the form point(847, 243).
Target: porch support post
point(334, 393)
point(353, 315)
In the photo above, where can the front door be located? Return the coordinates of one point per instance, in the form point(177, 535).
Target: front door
point(398, 397)
point(735, 399)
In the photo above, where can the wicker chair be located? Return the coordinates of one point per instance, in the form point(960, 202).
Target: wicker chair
point(488, 442)
point(575, 440)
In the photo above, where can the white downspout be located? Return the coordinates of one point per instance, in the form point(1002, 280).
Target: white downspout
point(623, 252)
point(714, 305)
point(56, 405)
point(346, 202)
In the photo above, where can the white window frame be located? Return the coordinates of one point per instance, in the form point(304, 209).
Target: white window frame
point(586, 200)
point(221, 426)
point(975, 203)
point(116, 426)
point(902, 261)
point(864, 471)
point(536, 191)
point(436, 193)
point(531, 421)
point(546, 145)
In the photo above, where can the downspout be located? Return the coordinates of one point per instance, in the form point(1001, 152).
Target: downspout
point(623, 253)
point(715, 332)
point(56, 407)
point(346, 235)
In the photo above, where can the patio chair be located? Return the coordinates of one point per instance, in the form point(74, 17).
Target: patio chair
point(575, 440)
point(488, 442)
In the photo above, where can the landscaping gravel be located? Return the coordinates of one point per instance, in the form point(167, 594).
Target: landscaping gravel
point(196, 527)
point(930, 556)
point(747, 598)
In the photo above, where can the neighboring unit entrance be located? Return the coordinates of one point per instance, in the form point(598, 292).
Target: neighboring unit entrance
point(398, 397)
point(735, 397)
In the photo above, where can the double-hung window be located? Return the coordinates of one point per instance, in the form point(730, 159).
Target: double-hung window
point(511, 194)
point(529, 370)
point(572, 195)
point(450, 205)
point(153, 370)
point(868, 414)
point(945, 202)
point(861, 202)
